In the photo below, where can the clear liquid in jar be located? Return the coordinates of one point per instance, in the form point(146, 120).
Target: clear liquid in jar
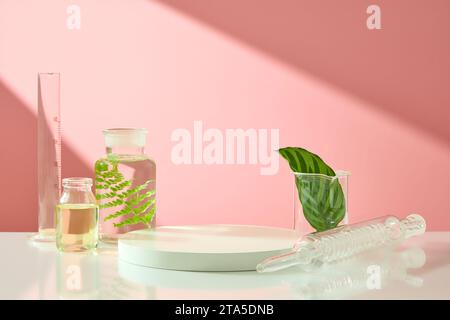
point(76, 227)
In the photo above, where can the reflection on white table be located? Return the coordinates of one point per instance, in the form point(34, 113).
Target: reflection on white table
point(420, 269)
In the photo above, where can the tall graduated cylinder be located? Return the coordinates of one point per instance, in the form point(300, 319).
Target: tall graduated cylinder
point(125, 184)
point(49, 153)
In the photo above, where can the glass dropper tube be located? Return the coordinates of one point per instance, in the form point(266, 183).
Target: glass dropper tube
point(315, 249)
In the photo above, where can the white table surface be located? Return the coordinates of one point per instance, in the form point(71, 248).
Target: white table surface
point(419, 269)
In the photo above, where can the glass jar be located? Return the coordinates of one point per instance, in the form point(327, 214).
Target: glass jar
point(77, 216)
point(320, 201)
point(125, 184)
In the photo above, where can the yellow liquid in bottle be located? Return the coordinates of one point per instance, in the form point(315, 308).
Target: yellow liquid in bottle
point(76, 227)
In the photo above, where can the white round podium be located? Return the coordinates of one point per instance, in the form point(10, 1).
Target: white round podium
point(205, 247)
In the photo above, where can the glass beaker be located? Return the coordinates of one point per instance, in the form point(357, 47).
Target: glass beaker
point(125, 184)
point(320, 201)
point(77, 216)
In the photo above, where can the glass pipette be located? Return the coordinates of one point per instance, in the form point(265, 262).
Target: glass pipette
point(315, 249)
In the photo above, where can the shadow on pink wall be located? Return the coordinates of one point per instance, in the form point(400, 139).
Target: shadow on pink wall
point(403, 69)
point(19, 161)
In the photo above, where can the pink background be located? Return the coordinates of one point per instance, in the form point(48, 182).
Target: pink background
point(374, 102)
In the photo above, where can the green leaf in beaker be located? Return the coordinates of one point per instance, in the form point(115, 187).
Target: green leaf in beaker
point(321, 195)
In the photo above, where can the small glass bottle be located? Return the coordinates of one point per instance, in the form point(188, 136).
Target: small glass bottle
point(77, 216)
point(125, 184)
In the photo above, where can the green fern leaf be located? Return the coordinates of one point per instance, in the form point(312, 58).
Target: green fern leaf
point(136, 207)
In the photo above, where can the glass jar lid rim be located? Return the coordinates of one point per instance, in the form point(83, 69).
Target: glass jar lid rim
point(124, 131)
point(77, 181)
